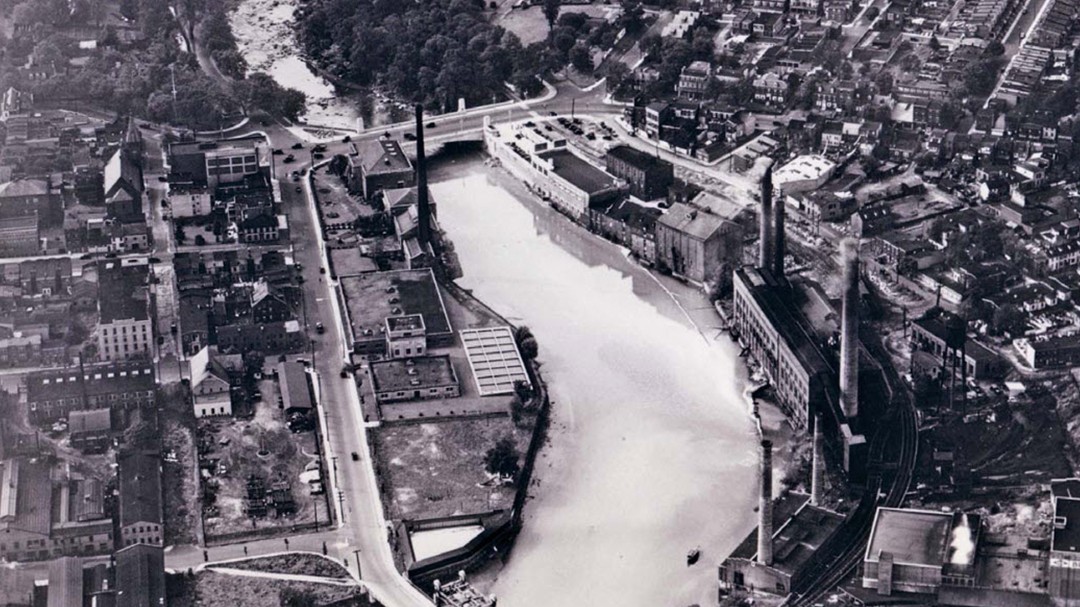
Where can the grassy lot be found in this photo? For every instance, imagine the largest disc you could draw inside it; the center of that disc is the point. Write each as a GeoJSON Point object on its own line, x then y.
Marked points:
{"type": "Point", "coordinates": [529, 24]}
{"type": "Point", "coordinates": [295, 564]}
{"type": "Point", "coordinates": [432, 470]}
{"type": "Point", "coordinates": [262, 446]}
{"type": "Point", "coordinates": [213, 589]}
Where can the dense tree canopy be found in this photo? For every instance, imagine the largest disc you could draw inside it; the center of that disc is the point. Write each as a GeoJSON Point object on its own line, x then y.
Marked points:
{"type": "Point", "coordinates": [432, 52]}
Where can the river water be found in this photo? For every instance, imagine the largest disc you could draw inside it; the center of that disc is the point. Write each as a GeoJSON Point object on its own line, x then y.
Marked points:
{"type": "Point", "coordinates": [265, 36]}
{"type": "Point", "coordinates": [652, 451]}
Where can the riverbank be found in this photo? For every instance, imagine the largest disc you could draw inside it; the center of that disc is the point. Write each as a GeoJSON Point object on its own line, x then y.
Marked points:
{"type": "Point", "coordinates": [651, 449]}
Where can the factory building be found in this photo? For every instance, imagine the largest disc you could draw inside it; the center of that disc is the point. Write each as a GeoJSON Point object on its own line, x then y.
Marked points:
{"type": "Point", "coordinates": [769, 322]}
{"type": "Point", "coordinates": [778, 555]}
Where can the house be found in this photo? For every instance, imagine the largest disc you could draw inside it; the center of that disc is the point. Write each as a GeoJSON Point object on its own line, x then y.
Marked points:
{"type": "Point", "coordinates": [270, 338]}
{"type": "Point", "coordinates": [694, 80]}
{"type": "Point", "coordinates": [123, 387]}
{"type": "Point", "coordinates": [648, 176]}
{"type": "Point", "coordinates": [140, 498]}
{"type": "Point", "coordinates": [125, 329]}
{"type": "Point", "coordinates": [657, 114]}
{"type": "Point", "coordinates": [695, 244]}
{"type": "Point", "coordinates": [771, 90]}
{"type": "Point", "coordinates": [872, 220]}
{"type": "Point", "coordinates": [27, 197]}
{"type": "Point", "coordinates": [211, 387]}
{"type": "Point", "coordinates": [189, 199]}
{"type": "Point", "coordinates": [629, 224]}
{"type": "Point", "coordinates": [264, 228]}
{"type": "Point", "coordinates": [378, 165]}
{"type": "Point", "coordinates": [91, 430]}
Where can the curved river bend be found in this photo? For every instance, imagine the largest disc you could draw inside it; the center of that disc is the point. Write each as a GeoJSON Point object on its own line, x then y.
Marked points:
{"type": "Point", "coordinates": [651, 449]}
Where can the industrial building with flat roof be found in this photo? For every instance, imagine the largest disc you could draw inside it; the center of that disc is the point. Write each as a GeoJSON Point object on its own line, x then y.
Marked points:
{"type": "Point", "coordinates": [373, 297]}
{"type": "Point", "coordinates": [414, 379]}
{"type": "Point", "coordinates": [494, 359]}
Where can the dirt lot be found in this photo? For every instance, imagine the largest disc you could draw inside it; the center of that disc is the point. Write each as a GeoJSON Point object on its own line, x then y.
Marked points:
{"type": "Point", "coordinates": [213, 589]}
{"type": "Point", "coordinates": [294, 564]}
{"type": "Point", "coordinates": [180, 490]}
{"type": "Point", "coordinates": [432, 470]}
{"type": "Point", "coordinates": [261, 446]}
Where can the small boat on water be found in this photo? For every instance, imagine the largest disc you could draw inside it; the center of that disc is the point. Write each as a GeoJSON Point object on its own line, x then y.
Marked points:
{"type": "Point", "coordinates": [693, 556]}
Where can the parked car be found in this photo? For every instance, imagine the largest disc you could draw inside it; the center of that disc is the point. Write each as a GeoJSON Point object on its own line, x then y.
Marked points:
{"type": "Point", "coordinates": [318, 156]}
{"type": "Point", "coordinates": [297, 146]}
{"type": "Point", "coordinates": [430, 125]}
{"type": "Point", "coordinates": [319, 148]}
{"type": "Point", "coordinates": [289, 159]}
{"type": "Point", "coordinates": [320, 328]}
{"type": "Point", "coordinates": [355, 456]}
{"type": "Point", "coordinates": [346, 139]}
{"type": "Point", "coordinates": [410, 136]}
{"type": "Point", "coordinates": [278, 151]}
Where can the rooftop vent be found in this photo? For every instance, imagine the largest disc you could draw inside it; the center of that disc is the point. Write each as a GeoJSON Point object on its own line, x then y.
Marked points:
{"type": "Point", "coordinates": [1060, 522]}
{"type": "Point", "coordinates": [414, 382]}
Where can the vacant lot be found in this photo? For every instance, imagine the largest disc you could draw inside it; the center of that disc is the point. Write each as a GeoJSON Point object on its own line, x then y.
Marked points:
{"type": "Point", "coordinates": [294, 564]}
{"type": "Point", "coordinates": [214, 589]}
{"type": "Point", "coordinates": [178, 480]}
{"type": "Point", "coordinates": [235, 450]}
{"type": "Point", "coordinates": [432, 470]}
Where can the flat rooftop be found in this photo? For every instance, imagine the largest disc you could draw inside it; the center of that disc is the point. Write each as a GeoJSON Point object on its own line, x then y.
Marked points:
{"type": "Point", "coordinates": [412, 374]}
{"type": "Point", "coordinates": [494, 359]}
{"type": "Point", "coordinates": [1066, 535]}
{"type": "Point", "coordinates": [913, 537]}
{"type": "Point", "coordinates": [373, 297]}
{"type": "Point", "coordinates": [583, 175]}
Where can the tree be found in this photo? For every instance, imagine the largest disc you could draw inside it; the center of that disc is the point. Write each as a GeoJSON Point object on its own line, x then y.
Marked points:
{"type": "Point", "coordinates": [581, 58]}
{"type": "Point", "coordinates": [129, 9]}
{"type": "Point", "coordinates": [551, 12]}
{"type": "Point", "coordinates": [523, 390]}
{"type": "Point", "coordinates": [529, 348]}
{"type": "Point", "coordinates": [616, 73]}
{"type": "Point", "coordinates": [200, 240]}
{"type": "Point", "coordinates": [294, 597]}
{"type": "Point", "coordinates": [1008, 320]}
{"type": "Point", "coordinates": [935, 44]}
{"type": "Point", "coordinates": [502, 459]}
{"type": "Point", "coordinates": [632, 17]}
{"type": "Point", "coordinates": [995, 49]}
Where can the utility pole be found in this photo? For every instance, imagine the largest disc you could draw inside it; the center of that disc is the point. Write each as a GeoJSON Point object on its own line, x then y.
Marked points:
{"type": "Point", "coordinates": [573, 104]}
{"type": "Point", "coordinates": [356, 553]}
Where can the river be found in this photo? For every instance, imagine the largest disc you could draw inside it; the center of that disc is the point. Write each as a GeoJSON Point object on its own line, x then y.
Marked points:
{"type": "Point", "coordinates": [652, 451]}
{"type": "Point", "coordinates": [265, 36]}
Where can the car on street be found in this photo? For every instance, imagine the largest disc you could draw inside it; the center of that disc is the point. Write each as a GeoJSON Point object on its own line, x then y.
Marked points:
{"type": "Point", "coordinates": [346, 139]}
{"type": "Point", "coordinates": [289, 158]}
{"type": "Point", "coordinates": [278, 151]}
{"type": "Point", "coordinates": [299, 189]}
{"type": "Point", "coordinates": [430, 125]}
{"type": "Point", "coordinates": [297, 146]}
{"type": "Point", "coordinates": [553, 113]}
{"type": "Point", "coordinates": [333, 215]}
{"type": "Point", "coordinates": [410, 136]}
{"type": "Point", "coordinates": [355, 456]}
{"type": "Point", "coordinates": [320, 328]}
{"type": "Point", "coordinates": [319, 148]}
{"type": "Point", "coordinates": [318, 156]}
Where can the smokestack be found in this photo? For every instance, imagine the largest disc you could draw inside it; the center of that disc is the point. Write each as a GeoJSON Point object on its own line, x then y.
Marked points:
{"type": "Point", "coordinates": [849, 331]}
{"type": "Point", "coordinates": [778, 235]}
{"type": "Point", "coordinates": [765, 507]}
{"type": "Point", "coordinates": [817, 465]}
{"type": "Point", "coordinates": [765, 226]}
{"type": "Point", "coordinates": [423, 206]}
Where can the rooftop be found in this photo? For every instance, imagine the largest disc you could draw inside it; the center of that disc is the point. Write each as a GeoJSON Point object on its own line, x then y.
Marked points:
{"type": "Point", "coordinates": [92, 421]}
{"type": "Point", "coordinates": [1066, 534]}
{"type": "Point", "coordinates": [380, 156]}
{"type": "Point", "coordinates": [687, 220]}
{"type": "Point", "coordinates": [123, 289]}
{"type": "Point", "coordinates": [25, 496]}
{"type": "Point", "coordinates": [494, 359]}
{"type": "Point", "coordinates": [638, 158]}
{"type": "Point", "coordinates": [90, 381]}
{"type": "Point", "coordinates": [295, 392]}
{"type": "Point", "coordinates": [412, 374]}
{"type": "Point", "coordinates": [372, 297]}
{"type": "Point", "coordinates": [140, 488]}
{"type": "Point", "coordinates": [913, 537]}
{"type": "Point", "coordinates": [24, 187]}
{"type": "Point", "coordinates": [140, 576]}
{"type": "Point", "coordinates": [581, 174]}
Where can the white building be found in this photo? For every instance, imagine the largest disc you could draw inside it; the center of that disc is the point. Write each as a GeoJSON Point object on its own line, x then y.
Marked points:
{"type": "Point", "coordinates": [807, 172]}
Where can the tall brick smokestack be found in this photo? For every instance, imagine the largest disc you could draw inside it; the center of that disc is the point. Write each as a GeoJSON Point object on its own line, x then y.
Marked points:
{"type": "Point", "coordinates": [778, 234]}
{"type": "Point", "coordinates": [817, 465]}
{"type": "Point", "coordinates": [849, 330]}
{"type": "Point", "coordinates": [766, 241]}
{"type": "Point", "coordinates": [423, 205]}
{"type": "Point", "coordinates": [765, 507]}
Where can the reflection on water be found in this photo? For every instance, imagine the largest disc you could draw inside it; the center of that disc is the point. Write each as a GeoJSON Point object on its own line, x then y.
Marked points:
{"type": "Point", "coordinates": [651, 451]}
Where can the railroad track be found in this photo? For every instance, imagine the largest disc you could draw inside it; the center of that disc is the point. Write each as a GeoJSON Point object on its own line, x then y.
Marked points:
{"type": "Point", "coordinates": [831, 574]}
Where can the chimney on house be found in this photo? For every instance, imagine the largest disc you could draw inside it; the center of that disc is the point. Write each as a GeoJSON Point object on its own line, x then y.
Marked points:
{"type": "Point", "coordinates": [765, 507]}
{"type": "Point", "coordinates": [849, 330]}
{"type": "Point", "coordinates": [779, 246]}
{"type": "Point", "coordinates": [423, 205]}
{"type": "Point", "coordinates": [765, 222]}
{"type": "Point", "coordinates": [817, 465]}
